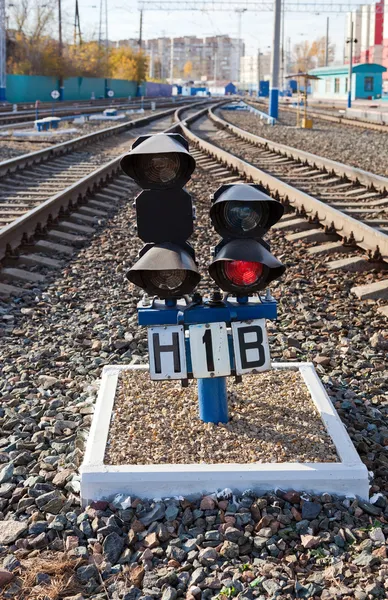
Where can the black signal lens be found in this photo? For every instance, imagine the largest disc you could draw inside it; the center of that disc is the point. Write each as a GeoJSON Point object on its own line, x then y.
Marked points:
{"type": "Point", "coordinates": [162, 169]}
{"type": "Point", "coordinates": [243, 218]}
{"type": "Point", "coordinates": [165, 270]}
{"type": "Point", "coordinates": [169, 279]}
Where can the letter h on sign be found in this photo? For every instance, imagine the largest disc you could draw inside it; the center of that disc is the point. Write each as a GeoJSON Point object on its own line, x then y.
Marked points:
{"type": "Point", "coordinates": [167, 352]}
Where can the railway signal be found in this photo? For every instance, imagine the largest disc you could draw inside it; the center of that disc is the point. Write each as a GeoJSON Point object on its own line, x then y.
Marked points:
{"type": "Point", "coordinates": [161, 165]}
{"type": "Point", "coordinates": [204, 338]}
{"type": "Point", "coordinates": [243, 263]}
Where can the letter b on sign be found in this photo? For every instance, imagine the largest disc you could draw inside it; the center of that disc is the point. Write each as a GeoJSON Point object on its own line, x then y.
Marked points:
{"type": "Point", "coordinates": [250, 343]}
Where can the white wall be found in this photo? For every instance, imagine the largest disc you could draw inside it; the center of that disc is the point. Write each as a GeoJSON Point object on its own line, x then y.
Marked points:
{"type": "Point", "coordinates": [365, 28]}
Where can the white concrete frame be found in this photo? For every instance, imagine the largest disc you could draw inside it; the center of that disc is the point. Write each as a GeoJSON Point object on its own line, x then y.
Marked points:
{"type": "Point", "coordinates": [348, 477]}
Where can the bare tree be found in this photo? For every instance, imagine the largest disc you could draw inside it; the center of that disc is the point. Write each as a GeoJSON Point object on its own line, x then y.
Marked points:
{"type": "Point", "coordinates": [33, 18]}
{"type": "Point", "coordinates": [36, 50]}
{"type": "Point", "coordinates": [308, 55]}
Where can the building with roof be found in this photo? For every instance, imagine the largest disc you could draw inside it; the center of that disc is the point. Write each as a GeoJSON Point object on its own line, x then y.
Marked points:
{"type": "Point", "coordinates": [367, 82]}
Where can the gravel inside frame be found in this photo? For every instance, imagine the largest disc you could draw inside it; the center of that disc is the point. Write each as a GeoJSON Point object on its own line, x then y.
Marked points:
{"type": "Point", "coordinates": [272, 419]}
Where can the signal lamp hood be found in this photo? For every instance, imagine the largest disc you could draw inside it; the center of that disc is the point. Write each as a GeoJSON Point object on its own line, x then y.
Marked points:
{"type": "Point", "coordinates": [161, 266]}
{"type": "Point", "coordinates": [159, 161]}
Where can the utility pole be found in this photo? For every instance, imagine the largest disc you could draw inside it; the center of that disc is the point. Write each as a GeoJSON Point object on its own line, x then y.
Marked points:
{"type": "Point", "coordinates": [152, 63]}
{"type": "Point", "coordinates": [215, 64]}
{"type": "Point", "coordinates": [258, 71]}
{"type": "Point", "coordinates": [171, 60]}
{"type": "Point", "coordinates": [282, 57]}
{"type": "Point", "coordinates": [100, 28]}
{"type": "Point", "coordinates": [3, 55]}
{"type": "Point", "coordinates": [350, 41]}
{"type": "Point", "coordinates": [240, 12]}
{"type": "Point", "coordinates": [106, 25]}
{"type": "Point", "coordinates": [274, 91]}
{"type": "Point", "coordinates": [77, 25]}
{"type": "Point", "coordinates": [60, 50]}
{"type": "Point", "coordinates": [327, 43]}
{"type": "Point", "coordinates": [141, 30]}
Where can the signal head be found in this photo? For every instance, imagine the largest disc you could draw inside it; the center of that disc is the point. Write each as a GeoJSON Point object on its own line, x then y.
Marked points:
{"type": "Point", "coordinates": [244, 211]}
{"type": "Point", "coordinates": [245, 266]}
{"type": "Point", "coordinates": [159, 161]}
{"type": "Point", "coordinates": [165, 270]}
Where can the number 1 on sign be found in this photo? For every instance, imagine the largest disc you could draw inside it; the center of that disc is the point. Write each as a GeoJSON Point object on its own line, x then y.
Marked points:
{"type": "Point", "coordinates": [207, 340]}
{"type": "Point", "coordinates": [209, 350]}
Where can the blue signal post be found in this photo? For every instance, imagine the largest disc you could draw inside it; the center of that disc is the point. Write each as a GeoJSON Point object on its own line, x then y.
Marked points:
{"type": "Point", "coordinates": [213, 400]}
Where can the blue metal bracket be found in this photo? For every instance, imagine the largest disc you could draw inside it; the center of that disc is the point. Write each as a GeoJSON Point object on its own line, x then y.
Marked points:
{"type": "Point", "coordinates": [190, 314]}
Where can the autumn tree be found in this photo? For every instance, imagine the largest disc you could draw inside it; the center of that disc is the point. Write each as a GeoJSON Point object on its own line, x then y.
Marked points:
{"type": "Point", "coordinates": [188, 69]}
{"type": "Point", "coordinates": [87, 60]}
{"type": "Point", "coordinates": [157, 68]}
{"type": "Point", "coordinates": [319, 51]}
{"type": "Point", "coordinates": [124, 63]}
{"type": "Point", "coordinates": [308, 55]}
{"type": "Point", "coordinates": [35, 52]}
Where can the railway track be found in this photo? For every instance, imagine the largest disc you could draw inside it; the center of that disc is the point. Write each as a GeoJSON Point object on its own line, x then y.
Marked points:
{"type": "Point", "coordinates": [30, 179]}
{"type": "Point", "coordinates": [51, 200]}
{"type": "Point", "coordinates": [337, 206]}
{"type": "Point", "coordinates": [328, 116]}
{"type": "Point", "coordinates": [54, 345]}
{"type": "Point", "coordinates": [341, 208]}
{"type": "Point", "coordinates": [25, 118]}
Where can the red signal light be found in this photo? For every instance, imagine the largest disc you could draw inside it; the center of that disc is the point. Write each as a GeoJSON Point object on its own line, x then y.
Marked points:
{"type": "Point", "coordinates": [243, 272]}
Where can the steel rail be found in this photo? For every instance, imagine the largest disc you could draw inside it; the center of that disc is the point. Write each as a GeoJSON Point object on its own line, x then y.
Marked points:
{"type": "Point", "coordinates": [341, 120]}
{"type": "Point", "coordinates": [13, 164]}
{"type": "Point", "coordinates": [23, 229]}
{"type": "Point", "coordinates": [367, 238]}
{"type": "Point", "coordinates": [353, 122]}
{"type": "Point", "coordinates": [65, 104]}
{"type": "Point", "coordinates": [19, 119]}
{"type": "Point", "coordinates": [355, 174]}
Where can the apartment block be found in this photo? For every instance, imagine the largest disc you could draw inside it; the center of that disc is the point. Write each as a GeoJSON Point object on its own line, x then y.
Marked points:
{"type": "Point", "coordinates": [191, 57]}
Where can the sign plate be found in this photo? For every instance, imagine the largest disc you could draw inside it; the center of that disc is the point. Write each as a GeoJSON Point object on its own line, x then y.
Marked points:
{"type": "Point", "coordinates": [166, 347]}
{"type": "Point", "coordinates": [250, 343]}
{"type": "Point", "coordinates": [55, 94]}
{"type": "Point", "coordinates": [209, 350]}
{"type": "Point", "coordinates": [110, 93]}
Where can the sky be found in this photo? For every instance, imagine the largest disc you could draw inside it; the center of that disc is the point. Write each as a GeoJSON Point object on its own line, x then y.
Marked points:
{"type": "Point", "coordinates": [123, 22]}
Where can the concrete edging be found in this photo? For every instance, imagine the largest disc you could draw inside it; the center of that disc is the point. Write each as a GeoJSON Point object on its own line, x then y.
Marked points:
{"type": "Point", "coordinates": [349, 477]}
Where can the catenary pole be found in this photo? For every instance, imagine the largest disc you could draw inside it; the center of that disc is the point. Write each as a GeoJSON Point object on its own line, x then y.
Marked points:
{"type": "Point", "coordinates": [274, 89]}
{"type": "Point", "coordinates": [3, 56]}
{"type": "Point", "coordinates": [60, 50]}
{"type": "Point", "coordinates": [171, 59]}
{"type": "Point", "coordinates": [350, 66]}
{"type": "Point", "coordinates": [141, 31]}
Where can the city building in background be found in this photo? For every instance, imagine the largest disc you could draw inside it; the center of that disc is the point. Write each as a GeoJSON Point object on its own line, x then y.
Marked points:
{"type": "Point", "coordinates": [190, 57]}
{"type": "Point", "coordinates": [356, 17]}
{"type": "Point", "coordinates": [132, 43]}
{"type": "Point", "coordinates": [253, 69]}
{"type": "Point", "coordinates": [370, 29]}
